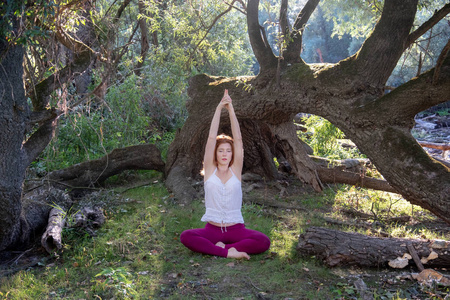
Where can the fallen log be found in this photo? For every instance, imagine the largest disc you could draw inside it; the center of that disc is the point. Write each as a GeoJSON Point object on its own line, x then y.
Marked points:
{"type": "Point", "coordinates": [93, 172]}
{"type": "Point", "coordinates": [439, 146]}
{"type": "Point", "coordinates": [337, 248]}
{"type": "Point", "coordinates": [335, 175]}
{"type": "Point", "coordinates": [51, 240]}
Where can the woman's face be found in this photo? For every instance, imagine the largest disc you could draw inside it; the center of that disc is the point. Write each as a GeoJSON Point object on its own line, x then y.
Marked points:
{"type": "Point", "coordinates": [224, 154]}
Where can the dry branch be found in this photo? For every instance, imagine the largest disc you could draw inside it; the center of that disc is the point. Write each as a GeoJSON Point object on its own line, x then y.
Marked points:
{"type": "Point", "coordinates": [439, 146]}
{"type": "Point", "coordinates": [51, 239]}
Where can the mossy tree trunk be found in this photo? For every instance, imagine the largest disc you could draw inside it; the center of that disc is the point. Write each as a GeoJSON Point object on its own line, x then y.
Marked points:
{"type": "Point", "coordinates": [350, 94]}
{"type": "Point", "coordinates": [26, 133]}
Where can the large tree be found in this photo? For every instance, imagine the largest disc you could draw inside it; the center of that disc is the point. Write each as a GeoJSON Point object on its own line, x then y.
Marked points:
{"type": "Point", "coordinates": [350, 94]}
{"type": "Point", "coordinates": [54, 42]}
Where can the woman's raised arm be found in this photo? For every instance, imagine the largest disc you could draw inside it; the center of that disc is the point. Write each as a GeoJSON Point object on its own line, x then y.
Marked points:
{"type": "Point", "coordinates": [208, 159]}
{"type": "Point", "coordinates": [237, 138]}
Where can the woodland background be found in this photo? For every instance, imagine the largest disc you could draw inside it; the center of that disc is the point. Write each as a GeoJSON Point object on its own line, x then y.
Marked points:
{"type": "Point", "coordinates": [104, 75]}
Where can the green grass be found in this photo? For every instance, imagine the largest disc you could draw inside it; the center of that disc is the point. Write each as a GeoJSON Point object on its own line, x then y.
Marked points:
{"type": "Point", "coordinates": [136, 254]}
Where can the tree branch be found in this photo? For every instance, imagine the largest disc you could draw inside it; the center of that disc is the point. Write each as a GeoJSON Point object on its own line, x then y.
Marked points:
{"type": "Point", "coordinates": [145, 46]}
{"type": "Point", "coordinates": [438, 16]}
{"type": "Point", "coordinates": [39, 141]}
{"type": "Point", "coordinates": [262, 51]}
{"type": "Point", "coordinates": [284, 22]}
{"type": "Point", "coordinates": [43, 89]}
{"type": "Point", "coordinates": [294, 45]}
{"type": "Point", "coordinates": [389, 36]}
{"type": "Point", "coordinates": [440, 62]}
{"type": "Point", "coordinates": [404, 109]}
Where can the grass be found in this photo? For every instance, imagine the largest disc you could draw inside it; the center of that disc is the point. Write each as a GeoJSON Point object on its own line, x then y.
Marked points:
{"type": "Point", "coordinates": [136, 254]}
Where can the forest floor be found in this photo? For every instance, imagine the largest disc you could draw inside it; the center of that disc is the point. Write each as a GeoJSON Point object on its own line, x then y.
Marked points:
{"type": "Point", "coordinates": [136, 254]}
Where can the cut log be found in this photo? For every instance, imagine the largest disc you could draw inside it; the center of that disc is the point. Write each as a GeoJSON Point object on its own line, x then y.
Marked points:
{"type": "Point", "coordinates": [337, 248]}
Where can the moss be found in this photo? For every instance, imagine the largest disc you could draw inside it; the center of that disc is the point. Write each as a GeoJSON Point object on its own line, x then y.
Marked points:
{"type": "Point", "coordinates": [299, 72]}
{"type": "Point", "coordinates": [415, 160]}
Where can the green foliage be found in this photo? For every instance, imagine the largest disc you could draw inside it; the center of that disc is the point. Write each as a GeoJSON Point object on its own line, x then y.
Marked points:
{"type": "Point", "coordinates": [193, 40]}
{"type": "Point", "coordinates": [119, 279]}
{"type": "Point", "coordinates": [92, 132]}
{"type": "Point", "coordinates": [12, 30]}
{"type": "Point", "coordinates": [323, 137]}
{"type": "Point", "coordinates": [353, 17]}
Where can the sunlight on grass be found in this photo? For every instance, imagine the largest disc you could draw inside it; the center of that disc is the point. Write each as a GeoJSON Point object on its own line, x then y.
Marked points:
{"type": "Point", "coordinates": [386, 210]}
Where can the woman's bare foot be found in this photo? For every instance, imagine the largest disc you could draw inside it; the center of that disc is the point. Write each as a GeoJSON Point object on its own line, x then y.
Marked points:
{"type": "Point", "coordinates": [233, 253]}
{"type": "Point", "coordinates": [220, 244]}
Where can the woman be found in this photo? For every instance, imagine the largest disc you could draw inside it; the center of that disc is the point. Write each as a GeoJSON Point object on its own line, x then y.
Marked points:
{"type": "Point", "coordinates": [224, 233]}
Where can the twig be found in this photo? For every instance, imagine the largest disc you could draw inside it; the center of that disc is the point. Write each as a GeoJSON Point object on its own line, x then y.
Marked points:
{"type": "Point", "coordinates": [136, 186]}
{"type": "Point", "coordinates": [415, 257]}
{"type": "Point", "coordinates": [253, 284]}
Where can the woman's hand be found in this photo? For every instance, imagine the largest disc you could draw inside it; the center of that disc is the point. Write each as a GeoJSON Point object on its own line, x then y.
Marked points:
{"type": "Point", "coordinates": [226, 101]}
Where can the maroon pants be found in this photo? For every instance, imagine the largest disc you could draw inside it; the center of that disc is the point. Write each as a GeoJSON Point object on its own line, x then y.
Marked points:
{"type": "Point", "coordinates": [204, 240]}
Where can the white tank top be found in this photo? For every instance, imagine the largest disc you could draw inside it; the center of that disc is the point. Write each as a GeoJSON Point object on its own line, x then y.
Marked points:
{"type": "Point", "coordinates": [223, 201]}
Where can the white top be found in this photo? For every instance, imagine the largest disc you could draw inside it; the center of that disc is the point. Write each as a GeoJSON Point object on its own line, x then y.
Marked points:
{"type": "Point", "coordinates": [223, 201]}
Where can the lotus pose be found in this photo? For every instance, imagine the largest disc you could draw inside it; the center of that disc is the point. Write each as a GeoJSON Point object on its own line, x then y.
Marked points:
{"type": "Point", "coordinates": [224, 234]}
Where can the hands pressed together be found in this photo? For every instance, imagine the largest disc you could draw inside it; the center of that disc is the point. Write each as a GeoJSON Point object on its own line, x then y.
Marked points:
{"type": "Point", "coordinates": [226, 101]}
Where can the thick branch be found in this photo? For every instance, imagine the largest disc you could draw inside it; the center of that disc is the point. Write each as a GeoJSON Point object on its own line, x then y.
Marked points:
{"type": "Point", "coordinates": [294, 46]}
{"type": "Point", "coordinates": [43, 116]}
{"type": "Point", "coordinates": [383, 48]}
{"type": "Point", "coordinates": [43, 89]}
{"type": "Point", "coordinates": [39, 141]}
{"type": "Point", "coordinates": [438, 16]}
{"type": "Point", "coordinates": [140, 157]}
{"type": "Point", "coordinates": [334, 175]}
{"type": "Point", "coordinates": [420, 89]}
{"type": "Point", "coordinates": [262, 51]}
{"type": "Point", "coordinates": [440, 63]}
{"type": "Point", "coordinates": [284, 21]}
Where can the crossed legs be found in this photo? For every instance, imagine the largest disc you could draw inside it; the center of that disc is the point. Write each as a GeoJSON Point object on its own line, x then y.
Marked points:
{"type": "Point", "coordinates": [234, 242]}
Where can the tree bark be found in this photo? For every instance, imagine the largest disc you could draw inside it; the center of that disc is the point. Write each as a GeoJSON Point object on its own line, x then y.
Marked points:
{"type": "Point", "coordinates": [14, 110]}
{"type": "Point", "coordinates": [94, 172]}
{"type": "Point", "coordinates": [337, 248]}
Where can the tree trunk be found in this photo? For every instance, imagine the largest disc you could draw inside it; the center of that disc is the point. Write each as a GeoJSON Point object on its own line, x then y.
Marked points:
{"type": "Point", "coordinates": [261, 140]}
{"type": "Point", "coordinates": [337, 248]}
{"type": "Point", "coordinates": [14, 110]}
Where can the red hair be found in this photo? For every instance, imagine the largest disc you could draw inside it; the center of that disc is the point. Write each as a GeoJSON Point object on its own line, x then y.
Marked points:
{"type": "Point", "coordinates": [222, 139]}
